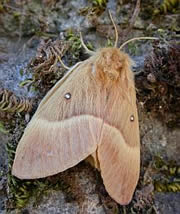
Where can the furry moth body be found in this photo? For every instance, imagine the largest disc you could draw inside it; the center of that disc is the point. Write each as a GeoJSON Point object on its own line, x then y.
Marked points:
{"type": "Point", "coordinates": [91, 111]}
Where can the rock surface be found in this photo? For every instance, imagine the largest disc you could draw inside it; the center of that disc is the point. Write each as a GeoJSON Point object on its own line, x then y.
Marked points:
{"type": "Point", "coordinates": [86, 193]}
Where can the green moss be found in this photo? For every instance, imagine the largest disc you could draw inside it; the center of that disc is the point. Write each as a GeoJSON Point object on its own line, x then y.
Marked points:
{"type": "Point", "coordinates": [3, 5]}
{"type": "Point", "coordinates": [1, 8]}
{"type": "Point", "coordinates": [109, 43]}
{"type": "Point", "coordinates": [167, 6]}
{"type": "Point", "coordinates": [30, 26]}
{"type": "Point", "coordinates": [99, 3]}
{"type": "Point", "coordinates": [17, 16]}
{"type": "Point", "coordinates": [167, 176]}
{"type": "Point", "coordinates": [21, 191]}
{"type": "Point", "coordinates": [75, 42]}
{"type": "Point", "coordinates": [2, 128]}
{"type": "Point", "coordinates": [76, 51]}
{"type": "Point", "coordinates": [133, 48]}
{"type": "Point", "coordinates": [96, 8]}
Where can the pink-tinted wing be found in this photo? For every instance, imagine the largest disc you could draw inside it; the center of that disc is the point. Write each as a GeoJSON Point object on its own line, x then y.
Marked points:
{"type": "Point", "coordinates": [63, 131]}
{"type": "Point", "coordinates": [48, 148]}
{"type": "Point", "coordinates": [119, 150]}
{"type": "Point", "coordinates": [119, 165]}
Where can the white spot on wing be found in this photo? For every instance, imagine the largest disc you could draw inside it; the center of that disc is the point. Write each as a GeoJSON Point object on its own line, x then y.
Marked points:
{"type": "Point", "coordinates": [93, 69]}
{"type": "Point", "coordinates": [50, 154]}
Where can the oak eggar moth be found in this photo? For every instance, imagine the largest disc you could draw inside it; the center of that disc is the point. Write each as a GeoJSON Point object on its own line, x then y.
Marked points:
{"type": "Point", "coordinates": [91, 111]}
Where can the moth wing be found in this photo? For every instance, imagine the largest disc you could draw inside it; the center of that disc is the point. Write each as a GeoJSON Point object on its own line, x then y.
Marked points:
{"type": "Point", "coordinates": [119, 165]}
{"type": "Point", "coordinates": [119, 152]}
{"type": "Point", "coordinates": [48, 148]}
{"type": "Point", "coordinates": [62, 132]}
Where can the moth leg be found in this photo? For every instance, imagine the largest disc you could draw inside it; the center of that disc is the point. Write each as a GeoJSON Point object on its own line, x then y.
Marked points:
{"type": "Point", "coordinates": [93, 160]}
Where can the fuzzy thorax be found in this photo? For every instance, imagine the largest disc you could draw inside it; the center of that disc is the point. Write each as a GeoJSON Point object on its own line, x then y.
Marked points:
{"type": "Point", "coordinates": [112, 65]}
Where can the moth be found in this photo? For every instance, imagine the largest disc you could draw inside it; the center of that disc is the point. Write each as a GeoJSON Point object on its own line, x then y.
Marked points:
{"type": "Point", "coordinates": [92, 112]}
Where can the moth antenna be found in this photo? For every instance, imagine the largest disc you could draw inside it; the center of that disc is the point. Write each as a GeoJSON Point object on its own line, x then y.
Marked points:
{"type": "Point", "coordinates": [85, 47]}
{"type": "Point", "coordinates": [60, 60]}
{"type": "Point", "coordinates": [137, 38]}
{"type": "Point", "coordinates": [115, 28]}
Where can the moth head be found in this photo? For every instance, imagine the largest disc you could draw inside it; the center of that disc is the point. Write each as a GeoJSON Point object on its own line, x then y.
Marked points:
{"type": "Point", "coordinates": [111, 65]}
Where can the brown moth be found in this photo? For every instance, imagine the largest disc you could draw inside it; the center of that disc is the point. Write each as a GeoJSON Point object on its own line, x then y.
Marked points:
{"type": "Point", "coordinates": [91, 111]}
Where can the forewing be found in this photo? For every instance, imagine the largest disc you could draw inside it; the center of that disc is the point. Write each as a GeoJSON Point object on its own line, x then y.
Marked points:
{"type": "Point", "coordinates": [63, 131]}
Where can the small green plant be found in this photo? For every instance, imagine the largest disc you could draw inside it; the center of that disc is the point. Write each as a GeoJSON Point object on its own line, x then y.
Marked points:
{"type": "Point", "coordinates": [3, 5]}
{"type": "Point", "coordinates": [99, 3]}
{"type": "Point", "coordinates": [75, 42]}
{"type": "Point", "coordinates": [96, 8]}
{"type": "Point", "coordinates": [21, 191]}
{"type": "Point", "coordinates": [109, 43]}
{"type": "Point", "coordinates": [2, 128]}
{"type": "Point", "coordinates": [168, 176]}
{"type": "Point", "coordinates": [167, 6]}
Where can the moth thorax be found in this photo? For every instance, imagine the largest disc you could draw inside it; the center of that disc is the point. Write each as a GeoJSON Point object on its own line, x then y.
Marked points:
{"type": "Point", "coordinates": [111, 74]}
{"type": "Point", "coordinates": [111, 66]}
